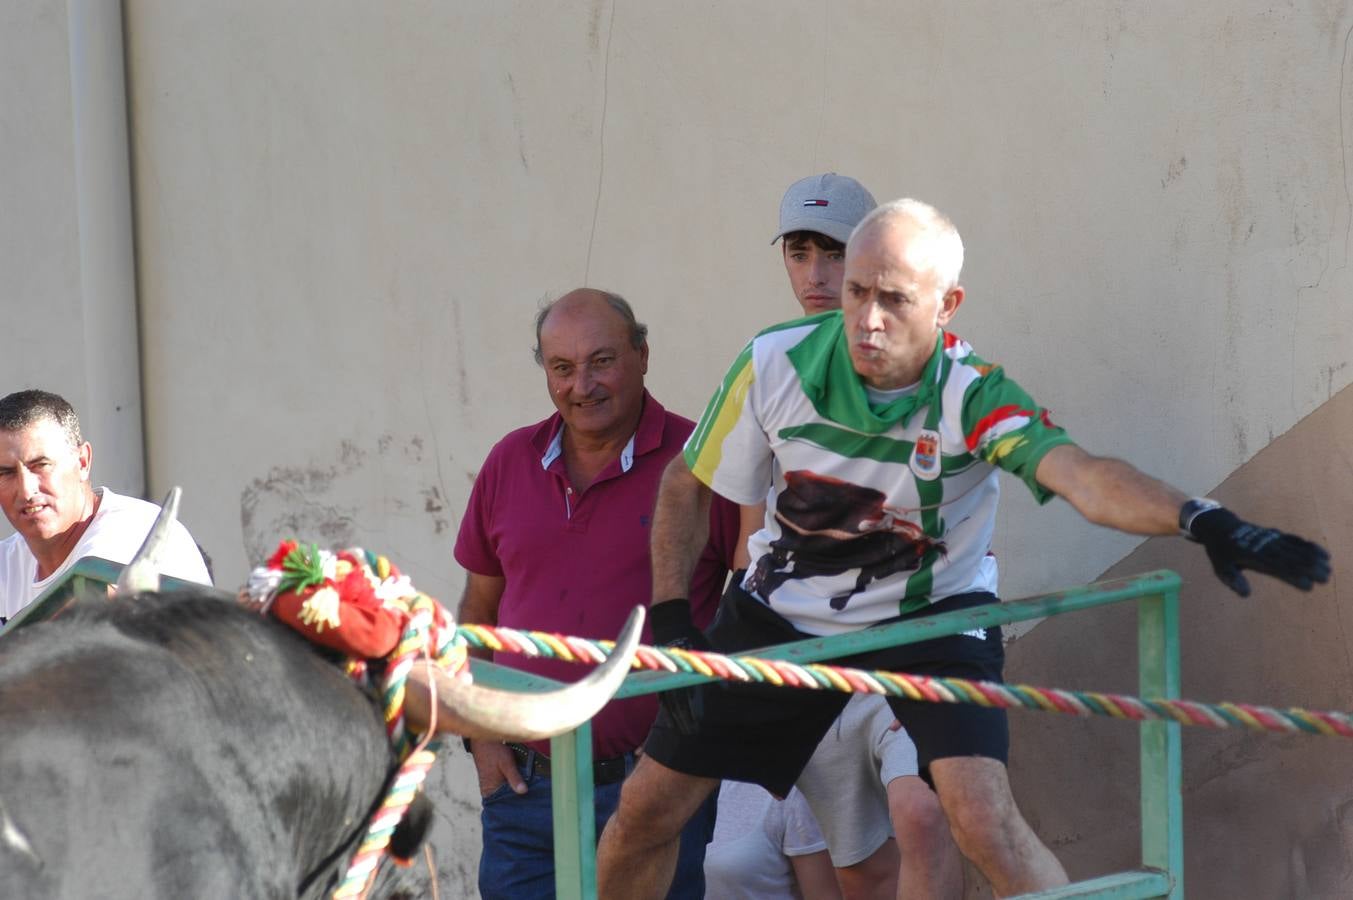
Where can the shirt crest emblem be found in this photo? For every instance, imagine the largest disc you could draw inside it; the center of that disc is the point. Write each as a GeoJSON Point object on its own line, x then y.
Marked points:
{"type": "Point", "coordinates": [925, 455]}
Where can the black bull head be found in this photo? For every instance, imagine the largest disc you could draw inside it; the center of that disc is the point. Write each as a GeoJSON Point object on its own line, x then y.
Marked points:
{"type": "Point", "coordinates": [180, 745]}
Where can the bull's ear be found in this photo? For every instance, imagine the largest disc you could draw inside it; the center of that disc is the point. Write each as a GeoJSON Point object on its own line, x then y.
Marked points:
{"type": "Point", "coordinates": [143, 572]}
{"type": "Point", "coordinates": [411, 832]}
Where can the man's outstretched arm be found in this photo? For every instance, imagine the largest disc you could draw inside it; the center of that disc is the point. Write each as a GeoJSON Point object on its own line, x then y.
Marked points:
{"type": "Point", "coordinates": [1110, 492]}
{"type": "Point", "coordinates": [1114, 494]}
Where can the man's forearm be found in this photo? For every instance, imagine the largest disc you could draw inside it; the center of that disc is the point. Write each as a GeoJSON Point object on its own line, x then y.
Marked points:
{"type": "Point", "coordinates": [680, 530]}
{"type": "Point", "coordinates": [1111, 492]}
{"type": "Point", "coordinates": [1132, 501]}
{"type": "Point", "coordinates": [479, 605]}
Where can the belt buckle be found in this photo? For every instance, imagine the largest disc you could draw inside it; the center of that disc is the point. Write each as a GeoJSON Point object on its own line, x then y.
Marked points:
{"type": "Point", "coordinates": [608, 771]}
{"type": "Point", "coordinates": [537, 763]}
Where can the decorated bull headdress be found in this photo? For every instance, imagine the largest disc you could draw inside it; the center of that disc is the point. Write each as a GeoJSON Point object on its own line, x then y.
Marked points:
{"type": "Point", "coordinates": [360, 604]}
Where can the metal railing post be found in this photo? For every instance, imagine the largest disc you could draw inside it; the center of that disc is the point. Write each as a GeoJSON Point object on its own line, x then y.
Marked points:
{"type": "Point", "coordinates": [1162, 789]}
{"type": "Point", "coordinates": [575, 823]}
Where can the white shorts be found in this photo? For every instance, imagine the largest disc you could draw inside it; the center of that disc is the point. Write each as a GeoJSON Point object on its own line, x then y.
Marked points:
{"type": "Point", "coordinates": [846, 781]}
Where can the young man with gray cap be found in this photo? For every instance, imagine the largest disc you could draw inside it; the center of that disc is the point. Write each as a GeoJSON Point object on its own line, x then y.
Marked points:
{"type": "Point", "coordinates": [864, 773]}
{"type": "Point", "coordinates": [817, 215]}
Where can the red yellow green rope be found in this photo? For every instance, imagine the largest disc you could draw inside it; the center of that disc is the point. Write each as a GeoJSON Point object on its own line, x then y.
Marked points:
{"type": "Point", "coordinates": [426, 635]}
{"type": "Point", "coordinates": [819, 676]}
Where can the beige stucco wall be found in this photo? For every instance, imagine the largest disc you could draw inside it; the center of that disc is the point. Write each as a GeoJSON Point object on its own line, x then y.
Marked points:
{"type": "Point", "coordinates": [347, 212]}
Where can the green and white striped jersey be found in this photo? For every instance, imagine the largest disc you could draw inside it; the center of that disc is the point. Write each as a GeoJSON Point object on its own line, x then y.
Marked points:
{"type": "Point", "coordinates": [871, 510]}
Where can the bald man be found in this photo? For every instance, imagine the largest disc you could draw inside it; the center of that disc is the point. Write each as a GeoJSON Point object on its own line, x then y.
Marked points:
{"type": "Point", "coordinates": [556, 538]}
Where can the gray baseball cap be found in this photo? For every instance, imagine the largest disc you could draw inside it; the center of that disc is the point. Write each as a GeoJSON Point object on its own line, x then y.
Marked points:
{"type": "Point", "coordinates": [829, 204]}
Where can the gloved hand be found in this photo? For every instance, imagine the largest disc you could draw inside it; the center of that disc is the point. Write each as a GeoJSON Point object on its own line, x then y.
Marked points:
{"type": "Point", "coordinates": [1233, 544]}
{"type": "Point", "coordinates": [672, 627]}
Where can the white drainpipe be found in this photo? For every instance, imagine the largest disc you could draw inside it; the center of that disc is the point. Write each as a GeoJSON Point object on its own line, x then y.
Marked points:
{"type": "Point", "coordinates": [112, 412]}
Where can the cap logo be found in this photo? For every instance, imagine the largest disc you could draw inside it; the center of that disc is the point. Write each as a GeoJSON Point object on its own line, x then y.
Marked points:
{"type": "Point", "coordinates": [815, 203]}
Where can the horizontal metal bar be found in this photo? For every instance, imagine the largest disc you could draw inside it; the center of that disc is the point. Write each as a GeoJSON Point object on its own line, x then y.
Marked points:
{"type": "Point", "coordinates": [493, 675]}
{"type": "Point", "coordinates": [869, 639]}
{"type": "Point", "coordinates": [925, 628]}
{"type": "Point", "coordinates": [88, 569]}
{"type": "Point", "coordinates": [805, 651]}
{"type": "Point", "coordinates": [1139, 885]}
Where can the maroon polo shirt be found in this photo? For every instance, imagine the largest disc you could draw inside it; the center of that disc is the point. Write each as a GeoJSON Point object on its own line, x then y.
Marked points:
{"type": "Point", "coordinates": [577, 562]}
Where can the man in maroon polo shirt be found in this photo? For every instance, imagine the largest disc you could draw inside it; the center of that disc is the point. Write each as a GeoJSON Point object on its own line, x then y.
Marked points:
{"type": "Point", "coordinates": [556, 538]}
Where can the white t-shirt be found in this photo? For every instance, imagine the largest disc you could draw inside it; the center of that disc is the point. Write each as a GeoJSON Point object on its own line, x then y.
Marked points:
{"type": "Point", "coordinates": [116, 533]}
{"type": "Point", "coordinates": [846, 781]}
{"type": "Point", "coordinates": [754, 836]}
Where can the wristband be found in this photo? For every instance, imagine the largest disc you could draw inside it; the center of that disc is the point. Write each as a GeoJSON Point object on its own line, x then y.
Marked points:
{"type": "Point", "coordinates": [1191, 510]}
{"type": "Point", "coordinates": [670, 619]}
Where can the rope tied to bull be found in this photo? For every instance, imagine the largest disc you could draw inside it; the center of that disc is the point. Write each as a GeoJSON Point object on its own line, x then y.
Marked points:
{"type": "Point", "coordinates": [821, 676]}
{"type": "Point", "coordinates": [358, 603]}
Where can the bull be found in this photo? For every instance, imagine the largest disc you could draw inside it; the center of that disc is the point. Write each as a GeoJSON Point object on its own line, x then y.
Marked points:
{"type": "Point", "coordinates": [180, 745]}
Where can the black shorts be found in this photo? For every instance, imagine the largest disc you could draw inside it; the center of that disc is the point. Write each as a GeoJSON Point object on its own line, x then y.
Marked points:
{"type": "Point", "coordinates": [765, 735]}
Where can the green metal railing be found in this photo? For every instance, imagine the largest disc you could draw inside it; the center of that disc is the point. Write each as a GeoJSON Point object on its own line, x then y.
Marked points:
{"type": "Point", "coordinates": [1157, 597]}
{"type": "Point", "coordinates": [91, 575]}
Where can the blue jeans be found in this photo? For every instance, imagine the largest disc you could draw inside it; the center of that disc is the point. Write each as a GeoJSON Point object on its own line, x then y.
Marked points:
{"type": "Point", "coordinates": [518, 858]}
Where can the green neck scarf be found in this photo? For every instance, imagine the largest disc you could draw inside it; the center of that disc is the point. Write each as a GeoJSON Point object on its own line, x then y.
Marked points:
{"type": "Point", "coordinates": [837, 392]}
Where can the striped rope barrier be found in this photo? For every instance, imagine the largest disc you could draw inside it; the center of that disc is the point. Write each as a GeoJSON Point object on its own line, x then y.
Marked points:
{"type": "Point", "coordinates": [819, 676]}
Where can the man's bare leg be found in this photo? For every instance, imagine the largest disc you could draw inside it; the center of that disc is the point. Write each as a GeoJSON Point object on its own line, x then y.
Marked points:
{"type": "Point", "coordinates": [872, 878]}
{"type": "Point", "coordinates": [931, 868]}
{"type": "Point", "coordinates": [637, 854]}
{"type": "Point", "coordinates": [975, 794]}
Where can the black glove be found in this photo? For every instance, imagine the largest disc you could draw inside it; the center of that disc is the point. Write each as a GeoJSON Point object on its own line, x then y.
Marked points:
{"type": "Point", "coordinates": [672, 627]}
{"type": "Point", "coordinates": [1233, 544]}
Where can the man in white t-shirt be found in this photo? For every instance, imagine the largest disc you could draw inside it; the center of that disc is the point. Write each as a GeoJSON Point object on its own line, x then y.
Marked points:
{"type": "Point", "coordinates": [58, 516]}
{"type": "Point", "coordinates": [767, 849]}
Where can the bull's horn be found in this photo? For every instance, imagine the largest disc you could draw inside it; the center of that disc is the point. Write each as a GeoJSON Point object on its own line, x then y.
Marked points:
{"type": "Point", "coordinates": [522, 716]}
{"type": "Point", "coordinates": [143, 572]}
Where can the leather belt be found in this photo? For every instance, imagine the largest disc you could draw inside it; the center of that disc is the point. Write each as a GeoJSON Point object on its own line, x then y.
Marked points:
{"type": "Point", "coordinates": [604, 771]}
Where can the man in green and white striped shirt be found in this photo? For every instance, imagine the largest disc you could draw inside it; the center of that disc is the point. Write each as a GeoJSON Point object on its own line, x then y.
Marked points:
{"type": "Point", "coordinates": [878, 436]}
